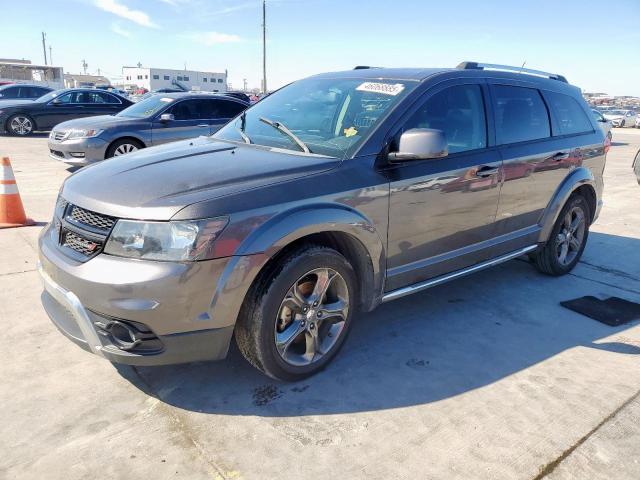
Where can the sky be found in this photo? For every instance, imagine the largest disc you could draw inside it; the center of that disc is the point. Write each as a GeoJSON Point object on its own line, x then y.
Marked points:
{"type": "Point", "coordinates": [594, 43]}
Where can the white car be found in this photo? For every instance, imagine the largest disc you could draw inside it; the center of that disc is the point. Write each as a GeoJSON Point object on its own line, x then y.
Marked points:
{"type": "Point", "coordinates": [603, 122]}
{"type": "Point", "coordinates": [621, 118]}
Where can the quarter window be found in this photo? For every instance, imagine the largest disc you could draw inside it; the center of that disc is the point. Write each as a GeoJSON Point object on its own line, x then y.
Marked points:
{"type": "Point", "coordinates": [570, 116]}
{"type": "Point", "coordinates": [521, 114]}
{"type": "Point", "coordinates": [457, 111]}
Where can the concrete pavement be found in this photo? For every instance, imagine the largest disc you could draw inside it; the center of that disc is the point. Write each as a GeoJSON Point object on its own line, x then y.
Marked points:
{"type": "Point", "coordinates": [485, 378]}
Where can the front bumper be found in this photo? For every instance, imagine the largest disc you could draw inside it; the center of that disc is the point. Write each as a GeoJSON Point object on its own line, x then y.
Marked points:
{"type": "Point", "coordinates": [173, 300]}
{"type": "Point", "coordinates": [69, 151]}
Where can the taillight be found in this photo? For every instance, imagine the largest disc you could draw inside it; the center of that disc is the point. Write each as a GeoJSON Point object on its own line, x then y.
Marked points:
{"type": "Point", "coordinates": [607, 144]}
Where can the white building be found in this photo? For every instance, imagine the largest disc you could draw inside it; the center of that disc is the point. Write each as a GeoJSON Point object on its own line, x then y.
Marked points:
{"type": "Point", "coordinates": [155, 78]}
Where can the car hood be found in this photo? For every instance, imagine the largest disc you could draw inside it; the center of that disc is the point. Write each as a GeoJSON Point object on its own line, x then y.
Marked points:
{"type": "Point", "coordinates": [156, 183]}
{"type": "Point", "coordinates": [613, 117]}
{"type": "Point", "coordinates": [99, 122]}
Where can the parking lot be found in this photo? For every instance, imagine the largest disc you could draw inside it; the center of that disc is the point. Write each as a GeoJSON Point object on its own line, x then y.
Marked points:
{"type": "Point", "coordinates": [487, 377]}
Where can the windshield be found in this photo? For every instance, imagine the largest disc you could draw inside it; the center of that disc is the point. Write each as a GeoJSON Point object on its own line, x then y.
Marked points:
{"type": "Point", "coordinates": [146, 108]}
{"type": "Point", "coordinates": [329, 116]}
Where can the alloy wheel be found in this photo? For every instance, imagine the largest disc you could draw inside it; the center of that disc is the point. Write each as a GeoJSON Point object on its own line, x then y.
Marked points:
{"type": "Point", "coordinates": [21, 125]}
{"type": "Point", "coordinates": [571, 236]}
{"type": "Point", "coordinates": [311, 317]}
{"type": "Point", "coordinates": [124, 149]}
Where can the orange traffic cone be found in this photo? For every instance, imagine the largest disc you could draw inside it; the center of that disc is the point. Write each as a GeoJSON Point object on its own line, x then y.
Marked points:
{"type": "Point", "coordinates": [11, 209]}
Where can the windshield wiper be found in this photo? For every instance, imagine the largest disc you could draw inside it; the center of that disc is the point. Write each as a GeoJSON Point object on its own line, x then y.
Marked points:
{"type": "Point", "coordinates": [279, 126]}
{"type": "Point", "coordinates": [244, 136]}
{"type": "Point", "coordinates": [243, 122]}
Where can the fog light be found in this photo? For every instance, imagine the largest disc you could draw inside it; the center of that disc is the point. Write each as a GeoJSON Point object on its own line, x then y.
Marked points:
{"type": "Point", "coordinates": [77, 154]}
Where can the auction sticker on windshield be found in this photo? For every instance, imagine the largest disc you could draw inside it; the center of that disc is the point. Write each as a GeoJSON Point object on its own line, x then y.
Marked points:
{"type": "Point", "coordinates": [385, 88]}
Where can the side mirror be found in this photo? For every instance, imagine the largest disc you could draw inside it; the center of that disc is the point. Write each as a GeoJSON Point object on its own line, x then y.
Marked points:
{"type": "Point", "coordinates": [603, 120]}
{"type": "Point", "coordinates": [55, 101]}
{"type": "Point", "coordinates": [420, 144]}
{"type": "Point", "coordinates": [167, 117]}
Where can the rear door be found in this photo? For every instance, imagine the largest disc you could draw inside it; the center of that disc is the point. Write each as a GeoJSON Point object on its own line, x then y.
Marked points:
{"type": "Point", "coordinates": [534, 162]}
{"type": "Point", "coordinates": [188, 122]}
{"type": "Point", "coordinates": [442, 211]}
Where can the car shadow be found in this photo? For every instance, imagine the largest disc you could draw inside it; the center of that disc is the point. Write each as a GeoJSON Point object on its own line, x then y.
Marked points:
{"type": "Point", "coordinates": [430, 346]}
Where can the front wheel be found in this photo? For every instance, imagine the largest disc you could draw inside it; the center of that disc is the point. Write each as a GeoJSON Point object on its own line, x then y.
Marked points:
{"type": "Point", "coordinates": [122, 147]}
{"type": "Point", "coordinates": [567, 240]}
{"type": "Point", "coordinates": [296, 317]}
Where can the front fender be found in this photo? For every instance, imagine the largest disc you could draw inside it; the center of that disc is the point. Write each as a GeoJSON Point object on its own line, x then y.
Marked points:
{"type": "Point", "coordinates": [577, 178]}
{"type": "Point", "coordinates": [278, 232]}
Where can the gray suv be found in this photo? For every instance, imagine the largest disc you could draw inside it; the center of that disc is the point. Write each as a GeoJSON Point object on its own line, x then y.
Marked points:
{"type": "Point", "coordinates": [328, 197]}
{"type": "Point", "coordinates": [162, 118]}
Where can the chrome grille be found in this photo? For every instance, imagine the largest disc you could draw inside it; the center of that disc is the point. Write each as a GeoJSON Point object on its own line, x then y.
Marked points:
{"type": "Point", "coordinates": [92, 219]}
{"type": "Point", "coordinates": [61, 204]}
{"type": "Point", "coordinates": [80, 244]}
{"type": "Point", "coordinates": [58, 136]}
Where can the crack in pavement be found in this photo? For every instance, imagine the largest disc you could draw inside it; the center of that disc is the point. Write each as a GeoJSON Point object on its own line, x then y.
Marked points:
{"type": "Point", "coordinates": [551, 466]}
{"type": "Point", "coordinates": [604, 283]}
{"type": "Point", "coordinates": [16, 273]}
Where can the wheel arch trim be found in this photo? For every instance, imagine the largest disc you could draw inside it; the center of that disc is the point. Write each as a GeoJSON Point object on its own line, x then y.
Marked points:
{"type": "Point", "coordinates": [265, 242]}
{"type": "Point", "coordinates": [577, 178]}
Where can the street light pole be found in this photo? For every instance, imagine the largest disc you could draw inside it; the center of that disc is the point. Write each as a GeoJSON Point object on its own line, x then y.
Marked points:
{"type": "Point", "coordinates": [44, 48]}
{"type": "Point", "coordinates": [264, 46]}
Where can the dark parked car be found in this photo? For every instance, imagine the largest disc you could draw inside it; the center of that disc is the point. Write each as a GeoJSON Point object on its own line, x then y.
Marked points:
{"type": "Point", "coordinates": [311, 206]}
{"type": "Point", "coordinates": [156, 120]}
{"type": "Point", "coordinates": [23, 91]}
{"type": "Point", "coordinates": [23, 117]}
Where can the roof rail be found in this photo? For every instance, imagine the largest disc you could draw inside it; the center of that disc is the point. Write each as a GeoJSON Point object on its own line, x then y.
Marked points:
{"type": "Point", "coordinates": [507, 68]}
{"type": "Point", "coordinates": [363, 67]}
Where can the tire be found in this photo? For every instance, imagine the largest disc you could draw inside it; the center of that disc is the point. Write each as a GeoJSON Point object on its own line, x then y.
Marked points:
{"type": "Point", "coordinates": [549, 259]}
{"type": "Point", "coordinates": [609, 135]}
{"type": "Point", "coordinates": [275, 328]}
{"type": "Point", "coordinates": [20, 125]}
{"type": "Point", "coordinates": [122, 147]}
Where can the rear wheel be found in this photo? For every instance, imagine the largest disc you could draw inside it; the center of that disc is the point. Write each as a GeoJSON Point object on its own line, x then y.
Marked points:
{"type": "Point", "coordinates": [568, 239]}
{"type": "Point", "coordinates": [122, 147]}
{"type": "Point", "coordinates": [296, 318]}
{"type": "Point", "coordinates": [20, 125]}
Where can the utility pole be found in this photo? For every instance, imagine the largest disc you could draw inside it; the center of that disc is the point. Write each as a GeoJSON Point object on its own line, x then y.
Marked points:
{"type": "Point", "coordinates": [84, 66]}
{"type": "Point", "coordinates": [50, 56]}
{"type": "Point", "coordinates": [44, 48]}
{"type": "Point", "coordinates": [264, 46]}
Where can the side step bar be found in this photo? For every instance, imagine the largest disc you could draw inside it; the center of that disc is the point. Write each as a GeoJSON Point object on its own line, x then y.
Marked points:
{"type": "Point", "coordinates": [418, 287]}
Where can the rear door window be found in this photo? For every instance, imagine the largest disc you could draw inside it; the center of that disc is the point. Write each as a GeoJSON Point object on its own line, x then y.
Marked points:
{"type": "Point", "coordinates": [568, 113]}
{"type": "Point", "coordinates": [459, 112]}
{"type": "Point", "coordinates": [521, 114]}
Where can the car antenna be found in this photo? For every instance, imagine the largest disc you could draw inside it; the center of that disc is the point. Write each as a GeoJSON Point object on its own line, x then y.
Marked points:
{"type": "Point", "coordinates": [521, 67]}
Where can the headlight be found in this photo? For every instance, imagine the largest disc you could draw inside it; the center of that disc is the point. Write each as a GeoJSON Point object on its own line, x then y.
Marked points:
{"type": "Point", "coordinates": [178, 241]}
{"type": "Point", "coordinates": [82, 133]}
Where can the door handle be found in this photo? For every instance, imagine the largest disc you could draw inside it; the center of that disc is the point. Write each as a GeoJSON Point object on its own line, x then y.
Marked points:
{"type": "Point", "coordinates": [561, 156]}
{"type": "Point", "coordinates": [486, 171]}
{"type": "Point", "coordinates": [202, 125]}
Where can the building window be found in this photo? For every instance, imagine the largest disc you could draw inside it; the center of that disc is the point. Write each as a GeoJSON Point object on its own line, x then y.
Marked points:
{"type": "Point", "coordinates": [139, 77]}
{"type": "Point", "coordinates": [186, 79]}
{"type": "Point", "coordinates": [215, 90]}
{"type": "Point", "coordinates": [204, 79]}
{"type": "Point", "coordinates": [156, 77]}
{"type": "Point", "coordinates": [128, 78]}
{"type": "Point", "coordinates": [219, 80]}
{"type": "Point", "coordinates": [166, 77]}
{"type": "Point", "coordinates": [213, 80]}
{"type": "Point", "coordinates": [179, 78]}
{"type": "Point", "coordinates": [146, 77]}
